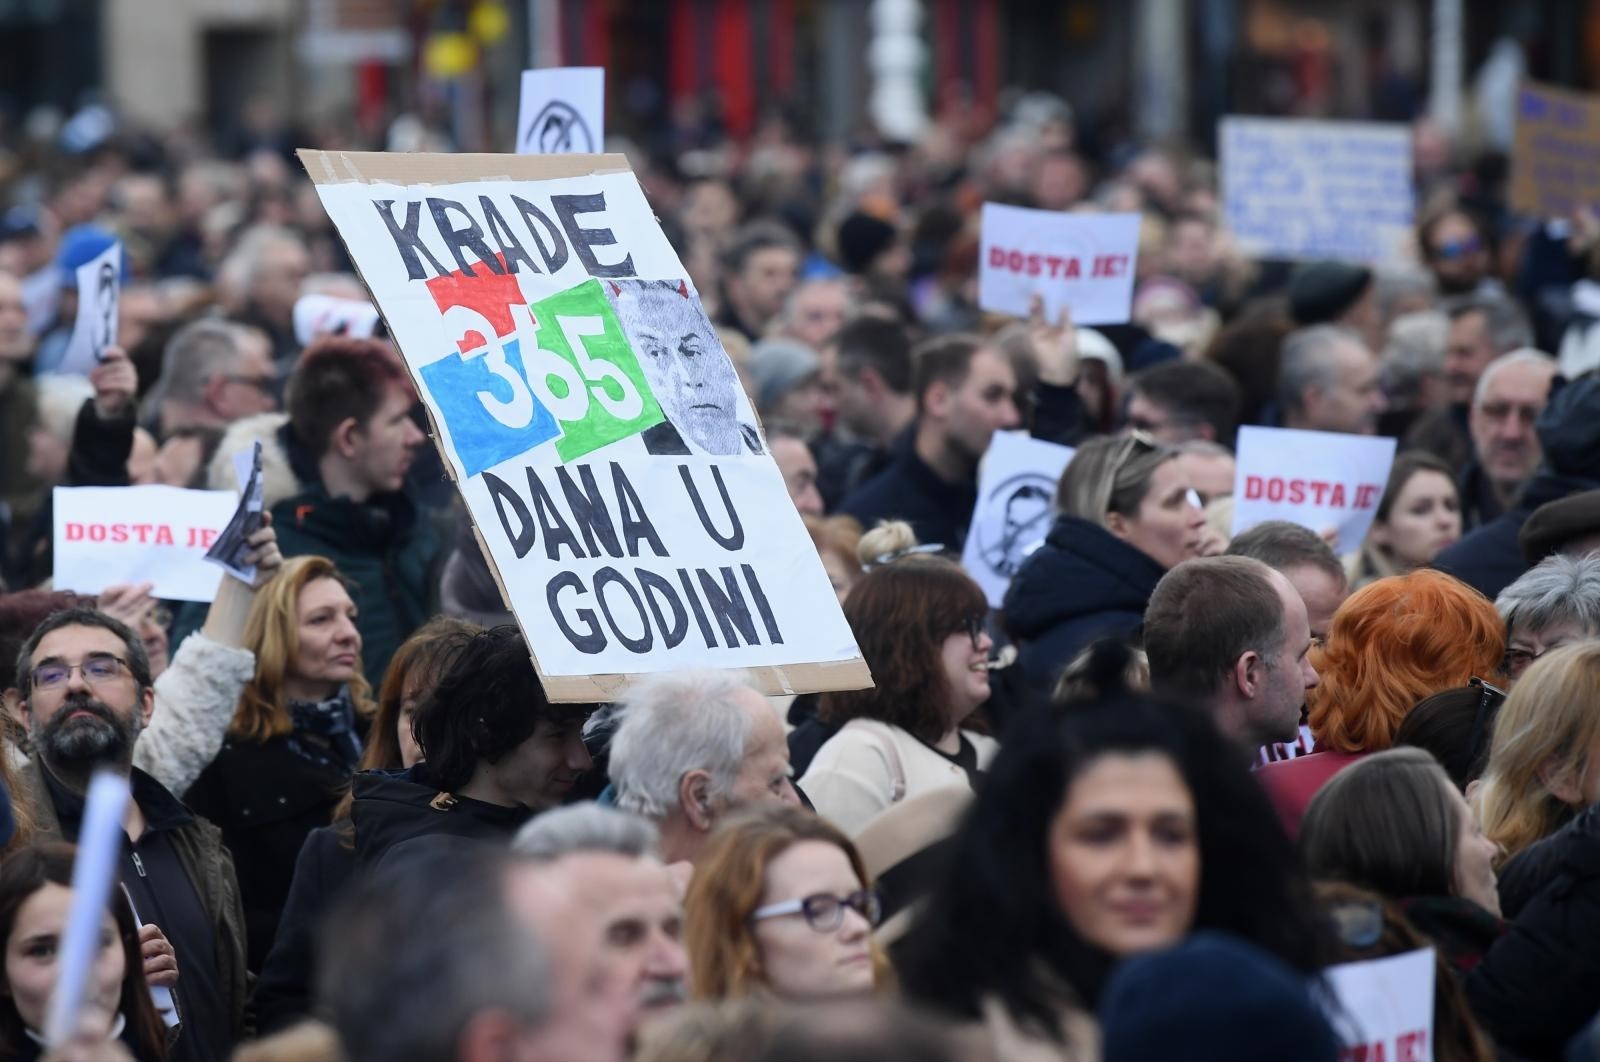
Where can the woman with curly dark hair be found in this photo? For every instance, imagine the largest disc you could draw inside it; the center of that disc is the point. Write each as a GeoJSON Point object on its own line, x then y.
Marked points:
{"type": "Point", "coordinates": [1107, 829]}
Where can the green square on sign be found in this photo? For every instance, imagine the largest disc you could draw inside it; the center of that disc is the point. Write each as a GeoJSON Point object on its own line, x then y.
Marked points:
{"type": "Point", "coordinates": [620, 402]}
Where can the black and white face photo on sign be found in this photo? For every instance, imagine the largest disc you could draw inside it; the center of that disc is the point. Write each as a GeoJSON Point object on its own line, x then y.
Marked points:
{"type": "Point", "coordinates": [692, 378]}
{"type": "Point", "coordinates": [105, 315]}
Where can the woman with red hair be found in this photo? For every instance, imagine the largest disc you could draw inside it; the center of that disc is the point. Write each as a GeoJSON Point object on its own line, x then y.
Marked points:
{"type": "Point", "coordinates": [1391, 644]}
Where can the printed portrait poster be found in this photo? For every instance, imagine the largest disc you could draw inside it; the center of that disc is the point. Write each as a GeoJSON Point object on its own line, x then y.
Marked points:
{"type": "Point", "coordinates": [95, 327]}
{"type": "Point", "coordinates": [616, 472]}
{"type": "Point", "coordinates": [1015, 509]}
{"type": "Point", "coordinates": [562, 111]}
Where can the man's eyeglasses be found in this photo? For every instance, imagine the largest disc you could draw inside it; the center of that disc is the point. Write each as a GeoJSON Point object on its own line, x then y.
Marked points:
{"type": "Point", "coordinates": [1453, 249]}
{"type": "Point", "coordinates": [824, 912]}
{"type": "Point", "coordinates": [96, 670]}
{"type": "Point", "coordinates": [264, 384]}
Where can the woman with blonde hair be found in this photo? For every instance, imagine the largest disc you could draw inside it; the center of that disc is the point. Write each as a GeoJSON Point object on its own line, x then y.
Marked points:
{"type": "Point", "coordinates": [781, 905]}
{"type": "Point", "coordinates": [295, 739]}
{"type": "Point", "coordinates": [1391, 644]}
{"type": "Point", "coordinates": [1544, 757]}
{"type": "Point", "coordinates": [1126, 513]}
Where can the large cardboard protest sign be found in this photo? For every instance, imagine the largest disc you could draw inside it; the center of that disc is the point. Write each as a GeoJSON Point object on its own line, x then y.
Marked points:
{"type": "Point", "coordinates": [1555, 158]}
{"type": "Point", "coordinates": [614, 469]}
{"type": "Point", "coordinates": [1385, 1007]}
{"type": "Point", "coordinates": [115, 536]}
{"type": "Point", "coordinates": [1084, 262]}
{"type": "Point", "coordinates": [1316, 479]}
{"type": "Point", "coordinates": [1308, 190]}
{"type": "Point", "coordinates": [1016, 495]}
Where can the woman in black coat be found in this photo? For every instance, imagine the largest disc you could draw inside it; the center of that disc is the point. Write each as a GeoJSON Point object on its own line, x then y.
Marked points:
{"type": "Point", "coordinates": [295, 739]}
{"type": "Point", "coordinates": [1126, 513]}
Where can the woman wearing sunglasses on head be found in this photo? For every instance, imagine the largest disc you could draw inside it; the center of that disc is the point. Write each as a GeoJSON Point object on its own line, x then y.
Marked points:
{"type": "Point", "coordinates": [1125, 514]}
{"type": "Point", "coordinates": [780, 904]}
{"type": "Point", "coordinates": [919, 620]}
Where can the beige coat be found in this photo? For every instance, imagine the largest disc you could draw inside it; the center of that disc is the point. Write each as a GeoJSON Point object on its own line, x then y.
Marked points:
{"type": "Point", "coordinates": [868, 766]}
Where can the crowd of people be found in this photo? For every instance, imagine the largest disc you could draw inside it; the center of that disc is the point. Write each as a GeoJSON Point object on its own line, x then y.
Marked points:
{"type": "Point", "coordinates": [1136, 812]}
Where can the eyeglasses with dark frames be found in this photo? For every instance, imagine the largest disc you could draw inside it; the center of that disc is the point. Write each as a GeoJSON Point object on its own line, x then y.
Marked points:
{"type": "Point", "coordinates": [97, 669]}
{"type": "Point", "coordinates": [823, 911]}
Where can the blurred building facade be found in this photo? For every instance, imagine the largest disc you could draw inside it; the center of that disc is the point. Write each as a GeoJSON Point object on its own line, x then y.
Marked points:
{"type": "Point", "coordinates": [1164, 67]}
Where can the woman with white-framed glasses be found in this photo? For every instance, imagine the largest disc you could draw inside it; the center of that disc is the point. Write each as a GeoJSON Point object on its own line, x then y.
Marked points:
{"type": "Point", "coordinates": [781, 904]}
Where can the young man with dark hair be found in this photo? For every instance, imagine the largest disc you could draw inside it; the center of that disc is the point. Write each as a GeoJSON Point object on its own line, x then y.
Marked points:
{"type": "Point", "coordinates": [759, 269]}
{"type": "Point", "coordinates": [350, 423]}
{"type": "Point", "coordinates": [495, 752]}
{"type": "Point", "coordinates": [1183, 401]}
{"type": "Point", "coordinates": [86, 694]}
{"type": "Point", "coordinates": [1231, 634]}
{"type": "Point", "coordinates": [965, 392]}
{"type": "Point", "coordinates": [874, 400]}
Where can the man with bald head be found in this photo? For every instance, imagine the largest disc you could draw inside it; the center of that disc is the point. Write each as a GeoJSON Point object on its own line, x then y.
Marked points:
{"type": "Point", "coordinates": [1232, 634]}
{"type": "Point", "coordinates": [1506, 403]}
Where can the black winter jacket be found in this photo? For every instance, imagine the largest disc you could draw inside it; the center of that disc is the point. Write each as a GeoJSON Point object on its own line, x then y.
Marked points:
{"type": "Point", "coordinates": [1081, 585]}
{"type": "Point", "coordinates": [1540, 984]}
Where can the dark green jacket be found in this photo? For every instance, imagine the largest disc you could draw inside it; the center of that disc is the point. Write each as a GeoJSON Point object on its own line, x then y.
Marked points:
{"type": "Point", "coordinates": [388, 553]}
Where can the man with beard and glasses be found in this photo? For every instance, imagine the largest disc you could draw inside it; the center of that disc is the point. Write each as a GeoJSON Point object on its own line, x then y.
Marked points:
{"type": "Point", "coordinates": [611, 859]}
{"type": "Point", "coordinates": [86, 696]}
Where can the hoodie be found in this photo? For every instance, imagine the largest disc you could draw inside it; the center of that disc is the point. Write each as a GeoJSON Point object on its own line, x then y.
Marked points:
{"type": "Point", "coordinates": [1081, 585]}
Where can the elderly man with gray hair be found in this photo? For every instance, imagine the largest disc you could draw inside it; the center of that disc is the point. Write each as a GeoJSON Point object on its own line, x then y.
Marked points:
{"type": "Point", "coordinates": [608, 858]}
{"type": "Point", "coordinates": [1329, 381]}
{"type": "Point", "coordinates": [1555, 603]}
{"type": "Point", "coordinates": [692, 747]}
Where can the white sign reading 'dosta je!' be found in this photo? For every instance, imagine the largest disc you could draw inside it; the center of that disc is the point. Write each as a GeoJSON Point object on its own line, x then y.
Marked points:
{"type": "Point", "coordinates": [1385, 1007]}
{"type": "Point", "coordinates": [114, 536]}
{"type": "Point", "coordinates": [1083, 262]}
{"type": "Point", "coordinates": [1317, 479]}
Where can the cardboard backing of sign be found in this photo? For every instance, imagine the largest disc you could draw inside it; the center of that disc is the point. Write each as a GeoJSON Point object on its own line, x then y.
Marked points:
{"type": "Point", "coordinates": [334, 167]}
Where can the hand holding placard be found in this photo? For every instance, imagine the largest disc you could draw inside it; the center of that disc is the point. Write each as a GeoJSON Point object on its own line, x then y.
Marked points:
{"type": "Point", "coordinates": [1054, 346]}
{"type": "Point", "coordinates": [1078, 262]}
{"type": "Point", "coordinates": [1315, 479]}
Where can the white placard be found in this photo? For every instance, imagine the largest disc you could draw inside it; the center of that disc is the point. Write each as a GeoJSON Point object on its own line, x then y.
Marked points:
{"type": "Point", "coordinates": [328, 315]}
{"type": "Point", "coordinates": [1084, 262]}
{"type": "Point", "coordinates": [95, 328]}
{"type": "Point", "coordinates": [591, 420]}
{"type": "Point", "coordinates": [563, 111]}
{"type": "Point", "coordinates": [1387, 1007]}
{"type": "Point", "coordinates": [1316, 479]}
{"type": "Point", "coordinates": [1016, 494]}
{"type": "Point", "coordinates": [94, 868]}
{"type": "Point", "coordinates": [112, 536]}
{"type": "Point", "coordinates": [1306, 190]}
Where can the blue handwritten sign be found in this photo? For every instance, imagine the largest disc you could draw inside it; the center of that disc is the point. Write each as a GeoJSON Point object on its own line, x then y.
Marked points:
{"type": "Point", "coordinates": [1309, 190]}
{"type": "Point", "coordinates": [1555, 159]}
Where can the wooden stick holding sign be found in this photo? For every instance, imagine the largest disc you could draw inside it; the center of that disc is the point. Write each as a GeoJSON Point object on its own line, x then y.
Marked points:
{"type": "Point", "coordinates": [612, 465]}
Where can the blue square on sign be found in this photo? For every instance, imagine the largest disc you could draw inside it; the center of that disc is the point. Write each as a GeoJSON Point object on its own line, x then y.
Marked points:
{"type": "Point", "coordinates": [490, 417]}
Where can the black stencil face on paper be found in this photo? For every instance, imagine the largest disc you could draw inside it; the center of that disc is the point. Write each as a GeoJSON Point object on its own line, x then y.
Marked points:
{"type": "Point", "coordinates": [559, 129]}
{"type": "Point", "coordinates": [1024, 502]}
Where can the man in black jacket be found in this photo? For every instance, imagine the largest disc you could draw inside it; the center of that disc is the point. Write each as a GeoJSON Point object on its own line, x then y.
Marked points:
{"type": "Point", "coordinates": [1490, 559]}
{"type": "Point", "coordinates": [86, 688]}
{"type": "Point", "coordinates": [966, 391]}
